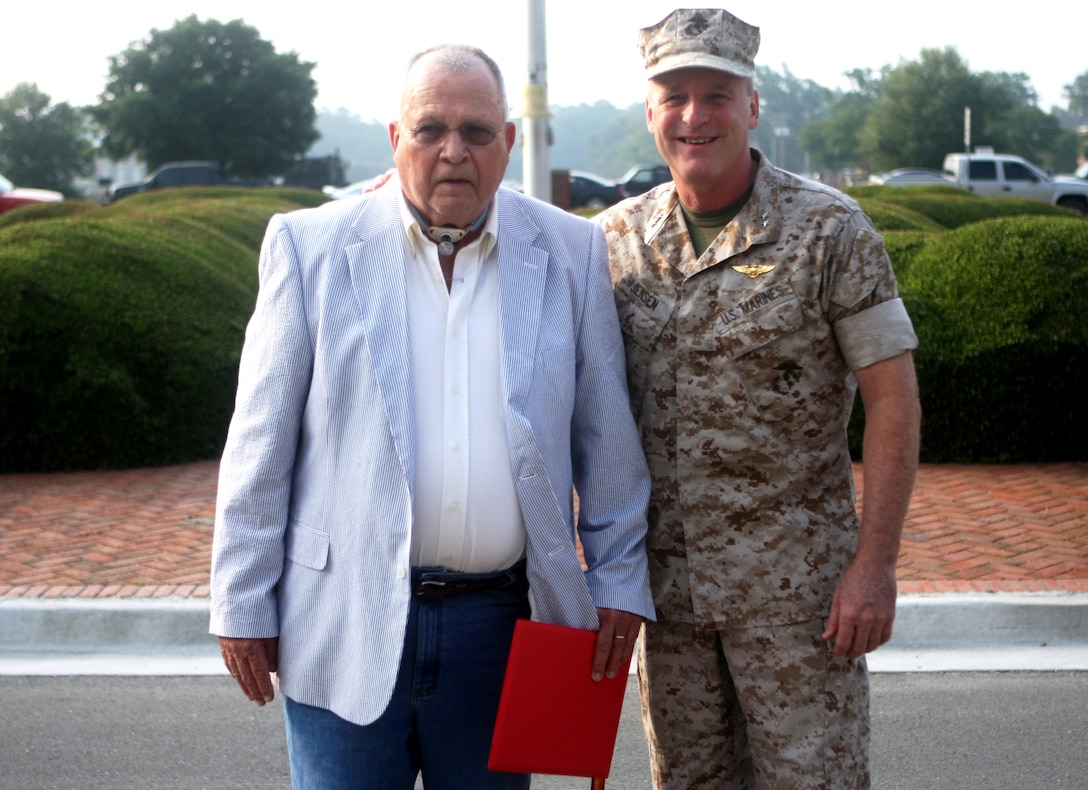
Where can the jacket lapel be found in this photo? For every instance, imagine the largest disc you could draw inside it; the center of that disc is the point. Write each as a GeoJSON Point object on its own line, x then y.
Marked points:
{"type": "Point", "coordinates": [376, 265]}
{"type": "Point", "coordinates": [523, 269]}
{"type": "Point", "coordinates": [555, 574]}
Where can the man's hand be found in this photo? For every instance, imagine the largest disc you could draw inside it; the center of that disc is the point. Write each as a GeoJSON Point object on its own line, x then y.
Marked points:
{"type": "Point", "coordinates": [615, 641]}
{"type": "Point", "coordinates": [863, 609]}
{"type": "Point", "coordinates": [251, 662]}
{"type": "Point", "coordinates": [380, 181]}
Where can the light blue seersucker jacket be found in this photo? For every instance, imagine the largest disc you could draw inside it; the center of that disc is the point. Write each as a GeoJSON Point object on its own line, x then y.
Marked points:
{"type": "Point", "coordinates": [314, 513]}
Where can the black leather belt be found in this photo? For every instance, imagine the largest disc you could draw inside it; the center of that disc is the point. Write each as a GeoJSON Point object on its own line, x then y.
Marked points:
{"type": "Point", "coordinates": [435, 583]}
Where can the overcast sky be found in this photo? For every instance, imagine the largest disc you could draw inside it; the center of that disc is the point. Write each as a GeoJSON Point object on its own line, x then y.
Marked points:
{"type": "Point", "coordinates": [361, 48]}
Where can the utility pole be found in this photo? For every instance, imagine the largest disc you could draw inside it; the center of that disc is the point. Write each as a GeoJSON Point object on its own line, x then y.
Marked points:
{"type": "Point", "coordinates": [536, 164]}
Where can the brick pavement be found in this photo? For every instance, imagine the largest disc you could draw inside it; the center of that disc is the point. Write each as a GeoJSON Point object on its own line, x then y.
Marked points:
{"type": "Point", "coordinates": [146, 533]}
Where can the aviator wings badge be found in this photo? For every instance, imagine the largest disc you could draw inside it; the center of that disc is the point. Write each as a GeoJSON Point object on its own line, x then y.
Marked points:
{"type": "Point", "coordinates": [753, 270]}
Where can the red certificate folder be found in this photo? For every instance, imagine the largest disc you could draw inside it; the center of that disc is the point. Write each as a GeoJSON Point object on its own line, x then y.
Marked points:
{"type": "Point", "coordinates": [553, 718]}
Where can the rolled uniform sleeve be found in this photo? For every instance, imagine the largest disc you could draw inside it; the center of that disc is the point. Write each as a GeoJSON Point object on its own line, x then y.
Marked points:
{"type": "Point", "coordinates": [878, 333]}
{"type": "Point", "coordinates": [869, 319]}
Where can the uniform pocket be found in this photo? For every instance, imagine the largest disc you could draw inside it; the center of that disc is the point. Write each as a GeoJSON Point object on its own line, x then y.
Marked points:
{"type": "Point", "coordinates": [772, 356]}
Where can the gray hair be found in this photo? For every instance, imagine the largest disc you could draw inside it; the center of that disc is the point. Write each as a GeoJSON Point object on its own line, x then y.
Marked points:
{"type": "Point", "coordinates": [459, 58]}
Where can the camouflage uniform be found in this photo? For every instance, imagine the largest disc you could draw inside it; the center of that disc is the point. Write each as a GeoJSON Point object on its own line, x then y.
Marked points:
{"type": "Point", "coordinates": [739, 365]}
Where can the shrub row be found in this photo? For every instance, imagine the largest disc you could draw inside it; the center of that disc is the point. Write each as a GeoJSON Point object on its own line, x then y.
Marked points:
{"type": "Point", "coordinates": [997, 300]}
{"type": "Point", "coordinates": [121, 327]}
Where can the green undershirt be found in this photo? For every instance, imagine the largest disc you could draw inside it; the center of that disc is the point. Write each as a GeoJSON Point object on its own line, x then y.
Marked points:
{"type": "Point", "coordinates": [704, 226]}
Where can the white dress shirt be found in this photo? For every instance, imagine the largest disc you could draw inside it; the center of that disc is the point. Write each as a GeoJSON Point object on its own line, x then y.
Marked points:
{"type": "Point", "coordinates": [466, 515]}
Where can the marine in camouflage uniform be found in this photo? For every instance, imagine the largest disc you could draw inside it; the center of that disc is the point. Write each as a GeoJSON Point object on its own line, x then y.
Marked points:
{"type": "Point", "coordinates": [740, 366]}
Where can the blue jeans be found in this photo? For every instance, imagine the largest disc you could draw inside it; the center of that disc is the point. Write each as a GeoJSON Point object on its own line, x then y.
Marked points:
{"type": "Point", "coordinates": [442, 714]}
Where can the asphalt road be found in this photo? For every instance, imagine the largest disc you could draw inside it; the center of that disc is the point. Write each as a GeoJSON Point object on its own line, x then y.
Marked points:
{"type": "Point", "coordinates": [984, 731]}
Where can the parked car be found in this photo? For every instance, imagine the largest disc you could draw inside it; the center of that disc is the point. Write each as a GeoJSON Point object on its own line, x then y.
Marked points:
{"type": "Point", "coordinates": [12, 196]}
{"type": "Point", "coordinates": [643, 178]}
{"type": "Point", "coordinates": [182, 174]}
{"type": "Point", "coordinates": [591, 191]}
{"type": "Point", "coordinates": [351, 190]}
{"type": "Point", "coordinates": [991, 174]}
{"type": "Point", "coordinates": [907, 176]}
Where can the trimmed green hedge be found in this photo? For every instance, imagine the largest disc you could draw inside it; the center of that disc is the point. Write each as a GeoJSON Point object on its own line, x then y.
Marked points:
{"type": "Point", "coordinates": [33, 212]}
{"type": "Point", "coordinates": [997, 301]}
{"type": "Point", "coordinates": [889, 216]}
{"type": "Point", "coordinates": [121, 327]}
{"type": "Point", "coordinates": [999, 309]}
{"type": "Point", "coordinates": [947, 207]}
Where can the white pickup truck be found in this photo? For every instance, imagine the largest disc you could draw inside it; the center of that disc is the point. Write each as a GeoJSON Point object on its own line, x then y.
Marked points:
{"type": "Point", "coordinates": [1005, 175]}
{"type": "Point", "coordinates": [997, 175]}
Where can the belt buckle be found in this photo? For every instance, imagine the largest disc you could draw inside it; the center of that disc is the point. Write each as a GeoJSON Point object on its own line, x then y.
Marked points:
{"type": "Point", "coordinates": [431, 588]}
{"type": "Point", "coordinates": [434, 588]}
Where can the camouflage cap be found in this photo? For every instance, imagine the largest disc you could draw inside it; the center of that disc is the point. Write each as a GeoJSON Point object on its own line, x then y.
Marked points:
{"type": "Point", "coordinates": [709, 38]}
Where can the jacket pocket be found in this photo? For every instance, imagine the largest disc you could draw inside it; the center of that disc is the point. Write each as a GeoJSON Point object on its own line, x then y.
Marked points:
{"type": "Point", "coordinates": [306, 546]}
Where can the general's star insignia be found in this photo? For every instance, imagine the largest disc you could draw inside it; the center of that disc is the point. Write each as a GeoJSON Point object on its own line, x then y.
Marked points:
{"type": "Point", "coordinates": [753, 270]}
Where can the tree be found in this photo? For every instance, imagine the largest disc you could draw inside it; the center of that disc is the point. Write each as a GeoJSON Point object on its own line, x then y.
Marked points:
{"type": "Point", "coordinates": [41, 145]}
{"type": "Point", "coordinates": [831, 141]}
{"type": "Point", "coordinates": [1077, 94]}
{"type": "Point", "coordinates": [1034, 135]}
{"type": "Point", "coordinates": [918, 116]}
{"type": "Point", "coordinates": [621, 143]}
{"type": "Point", "coordinates": [787, 104]}
{"type": "Point", "coordinates": [1012, 121]}
{"type": "Point", "coordinates": [576, 141]}
{"type": "Point", "coordinates": [209, 90]}
{"type": "Point", "coordinates": [364, 145]}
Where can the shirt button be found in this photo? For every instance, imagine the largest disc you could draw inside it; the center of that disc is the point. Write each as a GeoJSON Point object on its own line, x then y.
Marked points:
{"type": "Point", "coordinates": [453, 506]}
{"type": "Point", "coordinates": [401, 572]}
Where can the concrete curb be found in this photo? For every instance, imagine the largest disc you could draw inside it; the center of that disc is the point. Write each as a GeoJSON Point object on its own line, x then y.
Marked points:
{"type": "Point", "coordinates": [958, 620]}
{"type": "Point", "coordinates": [51, 637]}
{"type": "Point", "coordinates": [104, 626]}
{"type": "Point", "coordinates": [972, 632]}
{"type": "Point", "coordinates": [951, 632]}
